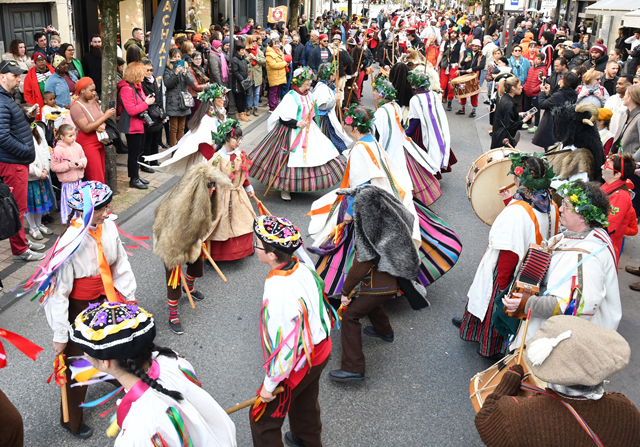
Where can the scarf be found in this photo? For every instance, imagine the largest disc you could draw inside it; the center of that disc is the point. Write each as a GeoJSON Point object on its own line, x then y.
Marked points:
{"type": "Point", "coordinates": [609, 189]}
{"type": "Point", "coordinates": [254, 51]}
{"type": "Point", "coordinates": [199, 72]}
{"type": "Point", "coordinates": [539, 200]}
{"type": "Point", "coordinates": [297, 90]}
{"type": "Point", "coordinates": [223, 66]}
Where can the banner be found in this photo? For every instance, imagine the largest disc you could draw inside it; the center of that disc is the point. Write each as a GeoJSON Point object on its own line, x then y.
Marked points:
{"type": "Point", "coordinates": [514, 5]}
{"type": "Point", "coordinates": [161, 32]}
{"type": "Point", "coordinates": [278, 14]}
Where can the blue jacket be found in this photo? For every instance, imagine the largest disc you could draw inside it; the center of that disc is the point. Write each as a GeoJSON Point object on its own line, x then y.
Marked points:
{"type": "Point", "coordinates": [308, 47]}
{"type": "Point", "coordinates": [58, 86]}
{"type": "Point", "coordinates": [16, 140]}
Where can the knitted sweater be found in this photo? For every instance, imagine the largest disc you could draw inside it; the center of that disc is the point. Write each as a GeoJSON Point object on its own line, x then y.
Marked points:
{"type": "Point", "coordinates": [541, 420]}
{"type": "Point", "coordinates": [373, 281]}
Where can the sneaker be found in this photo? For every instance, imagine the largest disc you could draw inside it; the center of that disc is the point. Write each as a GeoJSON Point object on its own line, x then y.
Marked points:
{"type": "Point", "coordinates": [285, 195]}
{"type": "Point", "coordinates": [195, 294]}
{"type": "Point", "coordinates": [84, 432]}
{"type": "Point", "coordinates": [461, 112]}
{"type": "Point", "coordinates": [45, 230]}
{"type": "Point", "coordinates": [472, 114]}
{"type": "Point", "coordinates": [35, 233]}
{"type": "Point", "coordinates": [533, 129]}
{"type": "Point", "coordinates": [35, 245]}
{"type": "Point", "coordinates": [525, 126]}
{"type": "Point", "coordinates": [176, 327]}
{"type": "Point", "coordinates": [28, 256]}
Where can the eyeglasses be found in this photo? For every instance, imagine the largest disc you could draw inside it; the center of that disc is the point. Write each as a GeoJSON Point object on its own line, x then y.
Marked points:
{"type": "Point", "coordinates": [150, 70]}
{"type": "Point", "coordinates": [257, 248]}
{"type": "Point", "coordinates": [517, 51]}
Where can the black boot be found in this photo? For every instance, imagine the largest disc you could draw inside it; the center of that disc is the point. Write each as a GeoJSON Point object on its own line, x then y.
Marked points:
{"type": "Point", "coordinates": [137, 183]}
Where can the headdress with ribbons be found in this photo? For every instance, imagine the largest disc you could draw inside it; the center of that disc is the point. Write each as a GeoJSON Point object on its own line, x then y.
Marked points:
{"type": "Point", "coordinates": [225, 130]}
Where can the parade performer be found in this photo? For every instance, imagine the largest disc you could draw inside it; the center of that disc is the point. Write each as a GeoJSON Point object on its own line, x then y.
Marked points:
{"type": "Point", "coordinates": [416, 61]}
{"type": "Point", "coordinates": [184, 219]}
{"type": "Point", "coordinates": [579, 153]}
{"type": "Point", "coordinates": [331, 215]}
{"type": "Point", "coordinates": [231, 237]}
{"type": "Point", "coordinates": [451, 54]}
{"type": "Point", "coordinates": [474, 62]}
{"type": "Point", "coordinates": [295, 156]}
{"type": "Point", "coordinates": [582, 279]}
{"type": "Point", "coordinates": [87, 264]}
{"type": "Point", "coordinates": [384, 253]}
{"type": "Point", "coordinates": [575, 358]}
{"type": "Point", "coordinates": [326, 99]}
{"type": "Point", "coordinates": [164, 404]}
{"type": "Point", "coordinates": [196, 146]}
{"type": "Point", "coordinates": [428, 124]}
{"type": "Point", "coordinates": [406, 155]}
{"type": "Point", "coordinates": [530, 218]}
{"type": "Point", "coordinates": [295, 324]}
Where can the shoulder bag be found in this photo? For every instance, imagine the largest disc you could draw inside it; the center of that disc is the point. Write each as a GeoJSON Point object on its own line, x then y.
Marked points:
{"type": "Point", "coordinates": [103, 136]}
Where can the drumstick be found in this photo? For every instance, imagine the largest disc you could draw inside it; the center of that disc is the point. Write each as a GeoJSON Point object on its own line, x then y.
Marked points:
{"type": "Point", "coordinates": [524, 337]}
{"type": "Point", "coordinates": [504, 188]}
{"type": "Point", "coordinates": [250, 402]}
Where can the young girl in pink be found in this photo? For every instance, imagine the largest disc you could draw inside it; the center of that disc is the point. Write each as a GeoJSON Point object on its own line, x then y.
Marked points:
{"type": "Point", "coordinates": [68, 162]}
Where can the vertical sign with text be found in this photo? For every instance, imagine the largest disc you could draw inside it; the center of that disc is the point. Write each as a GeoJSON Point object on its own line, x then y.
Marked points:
{"type": "Point", "coordinates": [161, 32]}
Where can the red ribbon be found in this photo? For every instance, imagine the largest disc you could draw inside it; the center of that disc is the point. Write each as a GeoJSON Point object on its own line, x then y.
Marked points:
{"type": "Point", "coordinates": [59, 371]}
{"type": "Point", "coordinates": [25, 346]}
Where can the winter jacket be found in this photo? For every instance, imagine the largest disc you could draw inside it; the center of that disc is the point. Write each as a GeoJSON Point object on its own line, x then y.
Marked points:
{"type": "Point", "coordinates": [532, 86]}
{"type": "Point", "coordinates": [151, 87]}
{"type": "Point", "coordinates": [215, 67]}
{"type": "Point", "coordinates": [296, 53]}
{"type": "Point", "coordinates": [576, 61]}
{"type": "Point", "coordinates": [195, 88]}
{"type": "Point", "coordinates": [32, 91]}
{"type": "Point", "coordinates": [60, 162]}
{"type": "Point", "coordinates": [316, 59]}
{"type": "Point", "coordinates": [93, 68]}
{"type": "Point", "coordinates": [133, 100]}
{"type": "Point", "coordinates": [256, 70]}
{"type": "Point", "coordinates": [239, 72]}
{"type": "Point", "coordinates": [59, 87]}
{"type": "Point", "coordinates": [42, 160]}
{"type": "Point", "coordinates": [521, 69]}
{"type": "Point", "coordinates": [131, 42]}
{"type": "Point", "coordinates": [16, 140]}
{"type": "Point", "coordinates": [544, 134]}
{"type": "Point", "coordinates": [176, 84]}
{"type": "Point", "coordinates": [306, 53]}
{"type": "Point", "coordinates": [628, 136]}
{"type": "Point", "coordinates": [276, 72]}
{"type": "Point", "coordinates": [506, 122]}
{"type": "Point", "coordinates": [599, 64]}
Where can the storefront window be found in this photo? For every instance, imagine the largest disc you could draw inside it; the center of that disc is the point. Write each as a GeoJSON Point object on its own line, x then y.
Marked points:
{"type": "Point", "coordinates": [131, 16]}
{"type": "Point", "coordinates": [198, 14]}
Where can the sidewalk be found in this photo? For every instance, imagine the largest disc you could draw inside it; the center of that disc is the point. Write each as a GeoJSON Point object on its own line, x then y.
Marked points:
{"type": "Point", "coordinates": [125, 204]}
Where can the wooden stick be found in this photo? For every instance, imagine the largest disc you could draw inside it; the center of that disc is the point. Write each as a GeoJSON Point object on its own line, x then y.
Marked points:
{"type": "Point", "coordinates": [503, 189]}
{"type": "Point", "coordinates": [65, 403]}
{"type": "Point", "coordinates": [338, 85]}
{"type": "Point", "coordinates": [183, 280]}
{"type": "Point", "coordinates": [215, 266]}
{"type": "Point", "coordinates": [250, 402]}
{"type": "Point", "coordinates": [258, 201]}
{"type": "Point", "coordinates": [393, 49]}
{"type": "Point", "coordinates": [356, 80]}
{"type": "Point", "coordinates": [524, 337]}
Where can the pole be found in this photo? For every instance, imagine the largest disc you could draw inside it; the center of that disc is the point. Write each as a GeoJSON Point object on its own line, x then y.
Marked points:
{"type": "Point", "coordinates": [183, 280]}
{"type": "Point", "coordinates": [231, 113]}
{"type": "Point", "coordinates": [248, 403]}
{"type": "Point", "coordinates": [375, 101]}
{"type": "Point", "coordinates": [215, 266]}
{"type": "Point", "coordinates": [338, 84]}
{"type": "Point", "coordinates": [524, 337]}
{"type": "Point", "coordinates": [356, 81]}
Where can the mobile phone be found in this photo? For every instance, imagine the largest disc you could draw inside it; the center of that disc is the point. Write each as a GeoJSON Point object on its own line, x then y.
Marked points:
{"type": "Point", "coordinates": [112, 104]}
{"type": "Point", "coordinates": [181, 63]}
{"type": "Point", "coordinates": [530, 112]}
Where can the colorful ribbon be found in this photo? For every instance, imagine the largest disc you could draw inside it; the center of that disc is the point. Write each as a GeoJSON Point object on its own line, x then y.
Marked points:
{"type": "Point", "coordinates": [105, 269]}
{"type": "Point", "coordinates": [25, 346]}
{"type": "Point", "coordinates": [59, 371]}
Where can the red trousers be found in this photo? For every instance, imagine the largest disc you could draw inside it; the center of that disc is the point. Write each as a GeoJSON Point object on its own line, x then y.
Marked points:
{"type": "Point", "coordinates": [17, 177]}
{"type": "Point", "coordinates": [445, 78]}
{"type": "Point", "coordinates": [474, 101]}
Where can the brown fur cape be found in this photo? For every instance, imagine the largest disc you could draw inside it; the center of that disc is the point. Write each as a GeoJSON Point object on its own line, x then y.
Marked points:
{"type": "Point", "coordinates": [184, 218]}
{"type": "Point", "coordinates": [571, 163]}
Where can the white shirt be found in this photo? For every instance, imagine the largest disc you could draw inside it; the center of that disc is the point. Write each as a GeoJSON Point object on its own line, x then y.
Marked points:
{"type": "Point", "coordinates": [614, 103]}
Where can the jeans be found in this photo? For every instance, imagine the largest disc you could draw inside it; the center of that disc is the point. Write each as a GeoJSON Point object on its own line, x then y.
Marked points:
{"type": "Point", "coordinates": [284, 88]}
{"type": "Point", "coordinates": [17, 177]}
{"type": "Point", "coordinates": [253, 96]}
{"type": "Point", "coordinates": [483, 74]}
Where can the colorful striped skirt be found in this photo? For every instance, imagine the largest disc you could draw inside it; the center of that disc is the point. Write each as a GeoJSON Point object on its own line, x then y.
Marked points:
{"type": "Point", "coordinates": [439, 252]}
{"type": "Point", "coordinates": [269, 155]}
{"type": "Point", "coordinates": [329, 131]}
{"type": "Point", "coordinates": [417, 138]}
{"type": "Point", "coordinates": [426, 187]}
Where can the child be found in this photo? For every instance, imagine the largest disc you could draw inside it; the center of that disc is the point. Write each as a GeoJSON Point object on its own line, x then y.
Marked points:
{"type": "Point", "coordinates": [51, 112]}
{"type": "Point", "coordinates": [294, 313]}
{"type": "Point", "coordinates": [56, 41]}
{"type": "Point", "coordinates": [39, 191]}
{"type": "Point", "coordinates": [68, 162]}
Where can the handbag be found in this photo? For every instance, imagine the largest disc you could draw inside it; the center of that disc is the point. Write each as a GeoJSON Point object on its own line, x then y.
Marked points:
{"type": "Point", "coordinates": [246, 83]}
{"type": "Point", "coordinates": [186, 100]}
{"type": "Point", "coordinates": [10, 223]}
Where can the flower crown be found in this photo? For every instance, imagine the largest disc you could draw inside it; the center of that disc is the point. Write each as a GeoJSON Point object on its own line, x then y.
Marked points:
{"type": "Point", "coordinates": [583, 204]}
{"type": "Point", "coordinates": [418, 79]}
{"type": "Point", "coordinates": [326, 71]}
{"type": "Point", "coordinates": [301, 75]}
{"type": "Point", "coordinates": [385, 89]}
{"type": "Point", "coordinates": [522, 171]}
{"type": "Point", "coordinates": [226, 129]}
{"type": "Point", "coordinates": [214, 91]}
{"type": "Point", "coordinates": [357, 119]}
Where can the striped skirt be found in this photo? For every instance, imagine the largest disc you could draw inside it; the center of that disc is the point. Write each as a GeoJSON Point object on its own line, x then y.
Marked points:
{"type": "Point", "coordinates": [426, 187]}
{"type": "Point", "coordinates": [417, 138]}
{"type": "Point", "coordinates": [269, 155]}
{"type": "Point", "coordinates": [329, 131]}
{"type": "Point", "coordinates": [439, 252]}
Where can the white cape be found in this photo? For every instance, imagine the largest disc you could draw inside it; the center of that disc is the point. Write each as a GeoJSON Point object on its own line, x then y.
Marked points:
{"type": "Point", "coordinates": [419, 109]}
{"type": "Point", "coordinates": [323, 94]}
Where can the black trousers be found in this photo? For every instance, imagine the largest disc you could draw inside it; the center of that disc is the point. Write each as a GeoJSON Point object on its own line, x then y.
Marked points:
{"type": "Point", "coordinates": [135, 141]}
{"type": "Point", "coordinates": [151, 142]}
{"type": "Point", "coordinates": [241, 101]}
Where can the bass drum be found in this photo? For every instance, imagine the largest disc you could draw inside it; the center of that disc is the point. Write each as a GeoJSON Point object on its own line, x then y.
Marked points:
{"type": "Point", "coordinates": [486, 176]}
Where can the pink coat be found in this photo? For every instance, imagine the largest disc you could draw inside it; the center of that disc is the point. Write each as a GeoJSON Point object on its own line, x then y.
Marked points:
{"type": "Point", "coordinates": [60, 158]}
{"type": "Point", "coordinates": [134, 104]}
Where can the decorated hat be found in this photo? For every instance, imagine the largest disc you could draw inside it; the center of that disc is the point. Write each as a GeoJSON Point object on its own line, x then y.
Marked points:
{"type": "Point", "coordinates": [580, 197]}
{"type": "Point", "coordinates": [571, 351]}
{"type": "Point", "coordinates": [521, 170]}
{"type": "Point", "coordinates": [100, 195]}
{"type": "Point", "coordinates": [326, 70]}
{"type": "Point", "coordinates": [113, 330]}
{"type": "Point", "coordinates": [385, 89]}
{"type": "Point", "coordinates": [225, 130]}
{"type": "Point", "coordinates": [302, 74]}
{"type": "Point", "coordinates": [278, 233]}
{"type": "Point", "coordinates": [57, 60]}
{"type": "Point", "coordinates": [419, 80]}
{"type": "Point", "coordinates": [357, 119]}
{"type": "Point", "coordinates": [214, 91]}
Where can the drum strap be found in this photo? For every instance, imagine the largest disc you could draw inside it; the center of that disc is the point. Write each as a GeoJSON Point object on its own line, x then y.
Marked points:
{"type": "Point", "coordinates": [534, 389]}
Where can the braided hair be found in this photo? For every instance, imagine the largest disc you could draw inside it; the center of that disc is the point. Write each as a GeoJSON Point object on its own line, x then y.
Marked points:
{"type": "Point", "coordinates": [135, 366]}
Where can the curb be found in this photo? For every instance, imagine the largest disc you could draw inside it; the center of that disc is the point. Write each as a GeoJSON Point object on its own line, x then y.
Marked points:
{"type": "Point", "coordinates": [254, 124]}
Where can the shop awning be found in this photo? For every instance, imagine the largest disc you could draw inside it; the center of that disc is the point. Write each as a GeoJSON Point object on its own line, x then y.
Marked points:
{"type": "Point", "coordinates": [607, 7]}
{"type": "Point", "coordinates": [632, 20]}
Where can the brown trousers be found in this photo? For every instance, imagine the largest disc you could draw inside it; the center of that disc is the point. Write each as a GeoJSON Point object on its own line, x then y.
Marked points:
{"type": "Point", "coordinates": [196, 269]}
{"type": "Point", "coordinates": [11, 428]}
{"type": "Point", "coordinates": [304, 415]}
{"type": "Point", "coordinates": [363, 305]}
{"type": "Point", "coordinates": [176, 129]}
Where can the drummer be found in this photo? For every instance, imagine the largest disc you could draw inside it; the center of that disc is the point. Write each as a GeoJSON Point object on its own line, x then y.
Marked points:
{"type": "Point", "coordinates": [575, 371]}
{"type": "Point", "coordinates": [530, 217]}
{"type": "Point", "coordinates": [473, 63]}
{"type": "Point", "coordinates": [582, 279]}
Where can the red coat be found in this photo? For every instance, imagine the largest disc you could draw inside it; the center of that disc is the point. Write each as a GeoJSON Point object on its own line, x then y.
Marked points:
{"type": "Point", "coordinates": [134, 103]}
{"type": "Point", "coordinates": [532, 84]}
{"type": "Point", "coordinates": [622, 218]}
{"type": "Point", "coordinates": [32, 92]}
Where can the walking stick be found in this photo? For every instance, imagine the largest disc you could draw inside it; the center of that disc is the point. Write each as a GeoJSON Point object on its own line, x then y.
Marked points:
{"type": "Point", "coordinates": [375, 101]}
{"type": "Point", "coordinates": [356, 82]}
{"type": "Point", "coordinates": [59, 377]}
{"type": "Point", "coordinates": [183, 280]}
{"type": "Point", "coordinates": [248, 403]}
{"type": "Point", "coordinates": [261, 208]}
{"type": "Point", "coordinates": [338, 84]}
{"type": "Point", "coordinates": [393, 49]}
{"type": "Point", "coordinates": [524, 337]}
{"type": "Point", "coordinates": [215, 266]}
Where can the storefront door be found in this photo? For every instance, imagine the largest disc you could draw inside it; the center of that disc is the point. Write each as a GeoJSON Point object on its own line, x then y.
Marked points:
{"type": "Point", "coordinates": [22, 21]}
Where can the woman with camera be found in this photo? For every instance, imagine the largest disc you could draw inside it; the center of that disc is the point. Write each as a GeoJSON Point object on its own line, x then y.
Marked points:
{"type": "Point", "coordinates": [133, 117]}
{"type": "Point", "coordinates": [179, 101]}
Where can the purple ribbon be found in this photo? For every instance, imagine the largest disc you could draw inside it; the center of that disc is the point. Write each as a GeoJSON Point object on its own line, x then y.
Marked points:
{"type": "Point", "coordinates": [436, 129]}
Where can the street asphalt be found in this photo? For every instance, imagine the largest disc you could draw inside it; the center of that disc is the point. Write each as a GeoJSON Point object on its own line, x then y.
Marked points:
{"type": "Point", "coordinates": [416, 391]}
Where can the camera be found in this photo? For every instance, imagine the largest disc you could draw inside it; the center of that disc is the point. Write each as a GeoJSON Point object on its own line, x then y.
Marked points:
{"type": "Point", "coordinates": [144, 116]}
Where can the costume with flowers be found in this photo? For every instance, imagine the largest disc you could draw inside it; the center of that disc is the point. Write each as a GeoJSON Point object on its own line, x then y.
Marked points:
{"type": "Point", "coordinates": [324, 93]}
{"type": "Point", "coordinates": [403, 151]}
{"type": "Point", "coordinates": [529, 218]}
{"type": "Point", "coordinates": [582, 279]}
{"type": "Point", "coordinates": [300, 159]}
{"type": "Point", "coordinates": [145, 415]}
{"type": "Point", "coordinates": [368, 163]}
{"type": "Point", "coordinates": [295, 324]}
{"type": "Point", "coordinates": [196, 146]}
{"type": "Point", "coordinates": [232, 235]}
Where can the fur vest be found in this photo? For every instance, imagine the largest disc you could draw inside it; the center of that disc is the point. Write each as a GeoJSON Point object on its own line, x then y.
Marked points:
{"type": "Point", "coordinates": [571, 163]}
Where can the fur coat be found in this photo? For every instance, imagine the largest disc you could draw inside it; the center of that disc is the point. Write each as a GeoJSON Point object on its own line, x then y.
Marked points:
{"type": "Point", "coordinates": [184, 217]}
{"type": "Point", "coordinates": [567, 164]}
